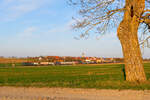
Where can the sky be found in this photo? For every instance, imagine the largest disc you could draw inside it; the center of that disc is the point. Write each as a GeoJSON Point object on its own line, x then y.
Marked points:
{"type": "Point", "coordinates": [43, 28]}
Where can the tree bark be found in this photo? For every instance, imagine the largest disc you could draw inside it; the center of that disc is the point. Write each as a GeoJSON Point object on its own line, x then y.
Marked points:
{"type": "Point", "coordinates": [128, 36]}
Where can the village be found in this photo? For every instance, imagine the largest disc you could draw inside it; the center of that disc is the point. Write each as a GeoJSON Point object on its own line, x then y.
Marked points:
{"type": "Point", "coordinates": [58, 60]}
{"type": "Point", "coordinates": [68, 60]}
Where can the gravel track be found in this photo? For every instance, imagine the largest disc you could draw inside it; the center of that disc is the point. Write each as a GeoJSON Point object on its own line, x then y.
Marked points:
{"type": "Point", "coordinates": [21, 93]}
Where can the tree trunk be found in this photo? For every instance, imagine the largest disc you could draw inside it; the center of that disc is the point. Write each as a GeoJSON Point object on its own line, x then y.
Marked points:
{"type": "Point", "coordinates": [127, 34]}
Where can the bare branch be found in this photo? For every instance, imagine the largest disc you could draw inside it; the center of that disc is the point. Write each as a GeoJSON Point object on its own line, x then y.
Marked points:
{"type": "Point", "coordinates": [145, 41]}
{"type": "Point", "coordinates": [148, 1]}
{"type": "Point", "coordinates": [146, 19]}
{"type": "Point", "coordinates": [147, 10]}
{"type": "Point", "coordinates": [115, 11]}
{"type": "Point", "coordinates": [98, 15]}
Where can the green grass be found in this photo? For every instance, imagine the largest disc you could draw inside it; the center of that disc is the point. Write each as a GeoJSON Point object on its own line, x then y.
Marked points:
{"type": "Point", "coordinates": [80, 76]}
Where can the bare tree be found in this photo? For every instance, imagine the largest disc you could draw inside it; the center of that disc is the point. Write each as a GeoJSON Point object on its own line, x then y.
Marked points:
{"type": "Point", "coordinates": [130, 16]}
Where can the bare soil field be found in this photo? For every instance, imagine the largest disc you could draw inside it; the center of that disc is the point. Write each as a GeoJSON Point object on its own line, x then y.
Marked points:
{"type": "Point", "coordinates": [21, 93]}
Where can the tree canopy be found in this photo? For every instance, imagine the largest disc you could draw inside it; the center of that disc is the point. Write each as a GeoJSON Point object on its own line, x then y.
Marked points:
{"type": "Point", "coordinates": [102, 15]}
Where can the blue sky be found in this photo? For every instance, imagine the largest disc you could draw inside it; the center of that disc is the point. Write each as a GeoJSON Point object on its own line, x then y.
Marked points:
{"type": "Point", "coordinates": [43, 27]}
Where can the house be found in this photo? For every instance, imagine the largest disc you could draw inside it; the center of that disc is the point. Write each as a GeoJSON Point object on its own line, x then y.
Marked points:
{"type": "Point", "coordinates": [47, 63]}
{"type": "Point", "coordinates": [35, 63]}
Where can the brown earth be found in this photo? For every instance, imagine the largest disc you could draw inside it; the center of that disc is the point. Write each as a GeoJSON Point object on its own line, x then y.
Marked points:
{"type": "Point", "coordinates": [21, 93]}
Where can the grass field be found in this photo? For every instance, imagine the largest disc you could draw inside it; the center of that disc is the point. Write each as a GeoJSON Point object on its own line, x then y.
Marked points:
{"type": "Point", "coordinates": [79, 76]}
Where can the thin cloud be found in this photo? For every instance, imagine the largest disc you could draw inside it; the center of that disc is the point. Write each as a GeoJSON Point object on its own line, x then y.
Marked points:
{"type": "Point", "coordinates": [13, 9]}
{"type": "Point", "coordinates": [28, 33]}
{"type": "Point", "coordinates": [66, 28]}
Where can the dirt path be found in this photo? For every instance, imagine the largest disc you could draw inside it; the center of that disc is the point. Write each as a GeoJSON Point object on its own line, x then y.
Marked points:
{"type": "Point", "coordinates": [13, 93]}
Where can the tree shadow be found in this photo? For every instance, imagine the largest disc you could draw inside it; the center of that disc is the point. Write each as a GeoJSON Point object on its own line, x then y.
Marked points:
{"type": "Point", "coordinates": [123, 70]}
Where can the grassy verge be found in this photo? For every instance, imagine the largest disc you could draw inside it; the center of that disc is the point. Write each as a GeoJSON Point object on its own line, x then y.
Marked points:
{"type": "Point", "coordinates": [90, 76]}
